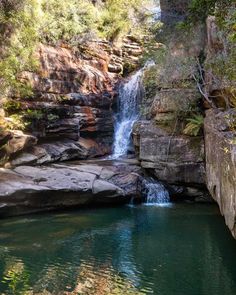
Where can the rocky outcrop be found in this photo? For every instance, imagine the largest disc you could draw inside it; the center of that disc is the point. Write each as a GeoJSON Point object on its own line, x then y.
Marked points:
{"type": "Point", "coordinates": [221, 162]}
{"type": "Point", "coordinates": [69, 115]}
{"type": "Point", "coordinates": [28, 189]}
{"type": "Point", "coordinates": [220, 125]}
{"type": "Point", "coordinates": [172, 98]}
{"type": "Point", "coordinates": [219, 78]}
{"type": "Point", "coordinates": [175, 159]}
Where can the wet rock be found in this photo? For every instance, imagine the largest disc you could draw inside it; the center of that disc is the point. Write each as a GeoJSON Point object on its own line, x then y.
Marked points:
{"type": "Point", "coordinates": [99, 186]}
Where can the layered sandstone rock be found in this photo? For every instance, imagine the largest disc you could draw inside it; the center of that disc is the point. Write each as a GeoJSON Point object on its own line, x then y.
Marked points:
{"type": "Point", "coordinates": [221, 162]}
{"type": "Point", "coordinates": [220, 128]}
{"type": "Point", "coordinates": [28, 189]}
{"type": "Point", "coordinates": [175, 159]}
{"type": "Point", "coordinates": [70, 113]}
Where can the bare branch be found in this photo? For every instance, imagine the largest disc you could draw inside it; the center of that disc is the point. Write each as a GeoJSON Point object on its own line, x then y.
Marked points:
{"type": "Point", "coordinates": [205, 95]}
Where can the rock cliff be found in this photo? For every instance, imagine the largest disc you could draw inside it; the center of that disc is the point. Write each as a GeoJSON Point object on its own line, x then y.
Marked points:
{"type": "Point", "coordinates": [220, 132]}
{"type": "Point", "coordinates": [221, 163]}
{"type": "Point", "coordinates": [163, 147]}
{"type": "Point", "coordinates": [69, 115]}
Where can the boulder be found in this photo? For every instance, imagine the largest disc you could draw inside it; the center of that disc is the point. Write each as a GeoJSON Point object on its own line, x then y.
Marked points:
{"type": "Point", "coordinates": [62, 150]}
{"type": "Point", "coordinates": [20, 142]}
{"type": "Point", "coordinates": [173, 159]}
{"type": "Point", "coordinates": [28, 189]}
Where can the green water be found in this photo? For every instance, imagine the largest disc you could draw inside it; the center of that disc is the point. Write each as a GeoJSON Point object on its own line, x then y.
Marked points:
{"type": "Point", "coordinates": [180, 250]}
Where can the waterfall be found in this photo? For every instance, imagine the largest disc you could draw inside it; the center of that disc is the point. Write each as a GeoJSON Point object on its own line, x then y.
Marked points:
{"type": "Point", "coordinates": [155, 192]}
{"type": "Point", "coordinates": [130, 94]}
{"type": "Point", "coordinates": [127, 113]}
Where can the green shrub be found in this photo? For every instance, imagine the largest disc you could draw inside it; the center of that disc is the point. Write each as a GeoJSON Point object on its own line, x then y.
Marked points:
{"type": "Point", "coordinates": [16, 122]}
{"type": "Point", "coordinates": [34, 114]}
{"type": "Point", "coordinates": [25, 23]}
{"type": "Point", "coordinates": [224, 62]}
{"type": "Point", "coordinates": [119, 16]}
{"type": "Point", "coordinates": [11, 106]}
{"type": "Point", "coordinates": [17, 44]}
{"type": "Point", "coordinates": [194, 125]}
{"type": "Point", "coordinates": [66, 20]}
{"type": "Point", "coordinates": [52, 117]}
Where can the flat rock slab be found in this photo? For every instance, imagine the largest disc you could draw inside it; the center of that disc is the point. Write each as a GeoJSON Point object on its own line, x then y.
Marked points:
{"type": "Point", "coordinates": [28, 189]}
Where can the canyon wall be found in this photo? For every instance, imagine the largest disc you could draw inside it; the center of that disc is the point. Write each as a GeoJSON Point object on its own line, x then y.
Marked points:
{"type": "Point", "coordinates": [219, 130]}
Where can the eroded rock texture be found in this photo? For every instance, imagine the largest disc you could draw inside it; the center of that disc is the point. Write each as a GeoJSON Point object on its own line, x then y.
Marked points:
{"type": "Point", "coordinates": [70, 113]}
{"type": "Point", "coordinates": [221, 162]}
{"type": "Point", "coordinates": [220, 131]}
{"type": "Point", "coordinates": [28, 189]}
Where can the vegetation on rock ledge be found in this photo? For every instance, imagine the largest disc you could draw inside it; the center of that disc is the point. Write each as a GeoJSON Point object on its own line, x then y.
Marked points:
{"type": "Point", "coordinates": [26, 23]}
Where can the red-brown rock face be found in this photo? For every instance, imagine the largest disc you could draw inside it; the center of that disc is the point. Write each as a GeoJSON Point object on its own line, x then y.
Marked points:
{"type": "Point", "coordinates": [71, 108]}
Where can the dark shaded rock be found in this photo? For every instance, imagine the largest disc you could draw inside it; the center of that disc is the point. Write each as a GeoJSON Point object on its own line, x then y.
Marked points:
{"type": "Point", "coordinates": [65, 128]}
{"type": "Point", "coordinates": [195, 194]}
{"type": "Point", "coordinates": [4, 137]}
{"type": "Point", "coordinates": [221, 164]}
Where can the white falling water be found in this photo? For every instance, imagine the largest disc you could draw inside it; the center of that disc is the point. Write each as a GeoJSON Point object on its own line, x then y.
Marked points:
{"type": "Point", "coordinates": [128, 112]}
{"type": "Point", "coordinates": [155, 192]}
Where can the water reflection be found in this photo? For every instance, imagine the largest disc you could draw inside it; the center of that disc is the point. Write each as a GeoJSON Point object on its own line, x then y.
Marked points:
{"type": "Point", "coordinates": [183, 249]}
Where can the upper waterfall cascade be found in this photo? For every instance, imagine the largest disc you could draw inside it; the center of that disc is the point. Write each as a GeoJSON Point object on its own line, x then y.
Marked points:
{"type": "Point", "coordinates": [130, 94]}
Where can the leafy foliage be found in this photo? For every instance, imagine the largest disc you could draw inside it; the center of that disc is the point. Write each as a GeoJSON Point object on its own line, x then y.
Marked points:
{"type": "Point", "coordinates": [17, 44]}
{"type": "Point", "coordinates": [64, 21]}
{"type": "Point", "coordinates": [25, 23]}
{"type": "Point", "coordinates": [194, 126]}
{"type": "Point", "coordinates": [118, 16]}
{"type": "Point", "coordinates": [222, 64]}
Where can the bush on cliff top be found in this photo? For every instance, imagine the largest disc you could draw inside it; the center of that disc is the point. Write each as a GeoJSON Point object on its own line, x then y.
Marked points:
{"type": "Point", "coordinates": [23, 24]}
{"type": "Point", "coordinates": [19, 34]}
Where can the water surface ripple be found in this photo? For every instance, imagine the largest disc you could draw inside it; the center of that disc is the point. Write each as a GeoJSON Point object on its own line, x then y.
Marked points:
{"type": "Point", "coordinates": [177, 250]}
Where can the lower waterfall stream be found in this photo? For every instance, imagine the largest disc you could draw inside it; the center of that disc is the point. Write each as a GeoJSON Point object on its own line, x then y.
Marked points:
{"type": "Point", "coordinates": [155, 192]}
